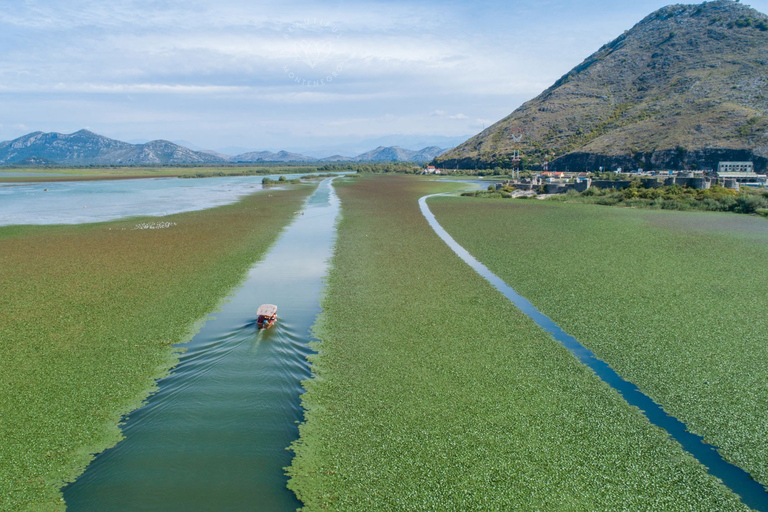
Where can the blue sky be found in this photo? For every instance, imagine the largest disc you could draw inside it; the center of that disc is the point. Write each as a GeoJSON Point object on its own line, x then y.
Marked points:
{"type": "Point", "coordinates": [318, 76]}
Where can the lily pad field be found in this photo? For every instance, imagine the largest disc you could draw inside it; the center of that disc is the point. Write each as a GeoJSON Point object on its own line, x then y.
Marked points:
{"type": "Point", "coordinates": [88, 317]}
{"type": "Point", "coordinates": [431, 391]}
{"type": "Point", "coordinates": [674, 301]}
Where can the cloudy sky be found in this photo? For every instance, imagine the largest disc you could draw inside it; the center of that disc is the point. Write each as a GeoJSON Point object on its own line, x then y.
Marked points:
{"type": "Point", "coordinates": [320, 76]}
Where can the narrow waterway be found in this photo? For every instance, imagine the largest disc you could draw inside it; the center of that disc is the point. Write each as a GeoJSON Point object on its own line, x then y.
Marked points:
{"type": "Point", "coordinates": [751, 492]}
{"type": "Point", "coordinates": [214, 435]}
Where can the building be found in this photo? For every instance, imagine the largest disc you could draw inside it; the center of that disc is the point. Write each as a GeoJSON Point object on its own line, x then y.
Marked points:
{"type": "Point", "coordinates": [739, 167]}
{"type": "Point", "coordinates": [731, 174]}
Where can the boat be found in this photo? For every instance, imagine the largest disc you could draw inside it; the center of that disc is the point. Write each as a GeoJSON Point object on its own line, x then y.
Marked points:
{"type": "Point", "coordinates": [267, 316]}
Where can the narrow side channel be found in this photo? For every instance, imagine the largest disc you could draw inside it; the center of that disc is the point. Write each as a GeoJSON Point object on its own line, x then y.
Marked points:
{"type": "Point", "coordinates": [739, 481]}
{"type": "Point", "coordinates": [215, 434]}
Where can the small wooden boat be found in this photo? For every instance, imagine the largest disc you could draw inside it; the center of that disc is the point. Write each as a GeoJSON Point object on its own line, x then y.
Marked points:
{"type": "Point", "coordinates": [267, 316]}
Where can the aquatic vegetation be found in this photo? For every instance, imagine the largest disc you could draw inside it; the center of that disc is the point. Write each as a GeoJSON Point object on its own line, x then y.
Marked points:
{"type": "Point", "coordinates": [88, 317]}
{"type": "Point", "coordinates": [675, 302]}
{"type": "Point", "coordinates": [433, 392]}
{"type": "Point", "coordinates": [280, 181]}
{"type": "Point", "coordinates": [154, 225]}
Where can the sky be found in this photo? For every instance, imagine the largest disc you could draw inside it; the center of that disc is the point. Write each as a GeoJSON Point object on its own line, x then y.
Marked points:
{"type": "Point", "coordinates": [319, 77]}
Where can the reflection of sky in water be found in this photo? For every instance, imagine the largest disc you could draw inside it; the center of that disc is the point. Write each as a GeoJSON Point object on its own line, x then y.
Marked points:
{"type": "Point", "coordinates": [307, 233]}
{"type": "Point", "coordinates": [96, 201]}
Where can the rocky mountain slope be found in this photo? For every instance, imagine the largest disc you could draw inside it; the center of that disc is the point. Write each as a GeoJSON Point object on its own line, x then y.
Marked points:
{"type": "Point", "coordinates": [87, 148]}
{"type": "Point", "coordinates": [685, 87]}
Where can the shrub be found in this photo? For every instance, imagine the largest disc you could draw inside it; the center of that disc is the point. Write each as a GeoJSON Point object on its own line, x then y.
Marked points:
{"type": "Point", "coordinates": [748, 203]}
{"type": "Point", "coordinates": [670, 204]}
{"type": "Point", "coordinates": [711, 204]}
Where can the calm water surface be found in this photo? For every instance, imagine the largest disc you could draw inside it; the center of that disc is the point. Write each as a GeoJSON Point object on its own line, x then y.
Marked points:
{"type": "Point", "coordinates": [77, 202]}
{"type": "Point", "coordinates": [214, 436]}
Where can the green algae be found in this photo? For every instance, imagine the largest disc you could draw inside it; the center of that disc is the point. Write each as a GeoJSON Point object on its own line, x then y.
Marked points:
{"type": "Point", "coordinates": [431, 391]}
{"type": "Point", "coordinates": [88, 317]}
{"type": "Point", "coordinates": [673, 301]}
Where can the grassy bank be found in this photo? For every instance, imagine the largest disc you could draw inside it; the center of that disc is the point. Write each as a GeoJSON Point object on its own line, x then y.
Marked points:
{"type": "Point", "coordinates": [674, 301]}
{"type": "Point", "coordinates": [433, 392]}
{"type": "Point", "coordinates": [87, 317]}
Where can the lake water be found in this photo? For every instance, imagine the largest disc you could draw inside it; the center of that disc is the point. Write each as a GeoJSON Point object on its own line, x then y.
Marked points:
{"type": "Point", "coordinates": [214, 435]}
{"type": "Point", "coordinates": [77, 202]}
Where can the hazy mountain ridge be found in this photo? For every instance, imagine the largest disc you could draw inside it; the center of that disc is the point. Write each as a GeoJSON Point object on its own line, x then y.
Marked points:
{"type": "Point", "coordinates": [398, 154]}
{"type": "Point", "coordinates": [268, 156]}
{"type": "Point", "coordinates": [686, 86]}
{"type": "Point", "coordinates": [87, 148]}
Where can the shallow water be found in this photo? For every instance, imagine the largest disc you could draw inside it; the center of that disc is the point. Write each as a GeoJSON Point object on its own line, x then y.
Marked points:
{"type": "Point", "coordinates": [751, 492]}
{"type": "Point", "coordinates": [214, 435]}
{"type": "Point", "coordinates": [77, 202]}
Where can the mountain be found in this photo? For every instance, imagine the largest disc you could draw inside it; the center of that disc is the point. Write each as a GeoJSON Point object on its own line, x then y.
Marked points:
{"type": "Point", "coordinates": [34, 161]}
{"type": "Point", "coordinates": [232, 150]}
{"type": "Point", "coordinates": [268, 156]}
{"type": "Point", "coordinates": [162, 152]}
{"type": "Point", "coordinates": [398, 154]}
{"type": "Point", "coordinates": [337, 158]}
{"type": "Point", "coordinates": [427, 154]}
{"type": "Point", "coordinates": [687, 86]}
{"type": "Point", "coordinates": [221, 156]}
{"type": "Point", "coordinates": [87, 148]}
{"type": "Point", "coordinates": [354, 146]}
{"type": "Point", "coordinates": [380, 154]}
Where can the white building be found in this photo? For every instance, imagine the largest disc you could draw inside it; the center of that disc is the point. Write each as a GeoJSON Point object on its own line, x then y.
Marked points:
{"type": "Point", "coordinates": [739, 167]}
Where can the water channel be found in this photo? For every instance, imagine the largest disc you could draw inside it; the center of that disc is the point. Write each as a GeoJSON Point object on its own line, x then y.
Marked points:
{"type": "Point", "coordinates": [752, 493]}
{"type": "Point", "coordinates": [214, 435]}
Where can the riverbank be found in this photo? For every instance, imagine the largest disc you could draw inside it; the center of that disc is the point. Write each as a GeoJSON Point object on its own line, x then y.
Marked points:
{"type": "Point", "coordinates": [432, 391]}
{"type": "Point", "coordinates": [674, 302]}
{"type": "Point", "coordinates": [88, 317]}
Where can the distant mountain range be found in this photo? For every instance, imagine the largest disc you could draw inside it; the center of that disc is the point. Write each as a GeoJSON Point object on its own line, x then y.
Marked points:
{"type": "Point", "coordinates": [685, 87]}
{"type": "Point", "coordinates": [88, 148]}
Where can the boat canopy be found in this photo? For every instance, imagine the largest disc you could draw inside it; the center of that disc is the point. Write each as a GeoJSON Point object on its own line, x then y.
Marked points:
{"type": "Point", "coordinates": [267, 310]}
